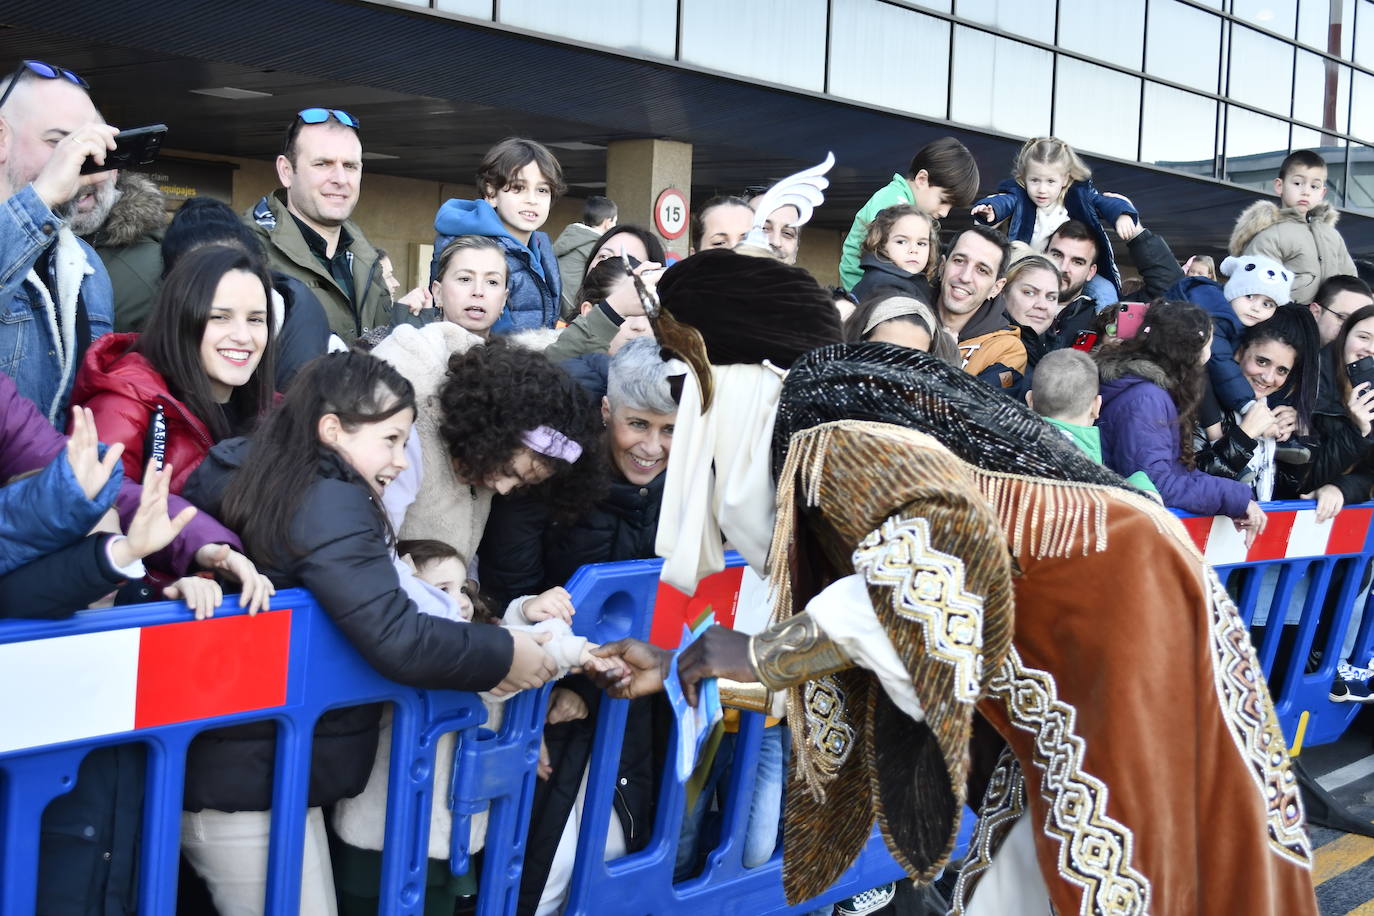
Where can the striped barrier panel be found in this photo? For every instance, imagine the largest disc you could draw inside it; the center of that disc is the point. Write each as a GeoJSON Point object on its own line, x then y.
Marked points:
{"type": "Point", "coordinates": [1299, 586]}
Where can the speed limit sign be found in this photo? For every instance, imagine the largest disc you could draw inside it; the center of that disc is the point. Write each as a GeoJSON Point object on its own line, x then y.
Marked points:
{"type": "Point", "coordinates": [670, 214]}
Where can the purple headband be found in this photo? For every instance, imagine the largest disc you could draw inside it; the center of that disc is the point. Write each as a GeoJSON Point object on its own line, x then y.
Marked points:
{"type": "Point", "coordinates": [550, 442]}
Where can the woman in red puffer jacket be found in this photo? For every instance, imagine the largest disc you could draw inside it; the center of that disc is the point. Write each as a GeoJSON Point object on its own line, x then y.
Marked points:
{"type": "Point", "coordinates": [200, 371]}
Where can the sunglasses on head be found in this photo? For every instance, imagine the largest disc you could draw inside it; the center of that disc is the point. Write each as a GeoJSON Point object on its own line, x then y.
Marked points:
{"type": "Point", "coordinates": [43, 71]}
{"type": "Point", "coordinates": [320, 115]}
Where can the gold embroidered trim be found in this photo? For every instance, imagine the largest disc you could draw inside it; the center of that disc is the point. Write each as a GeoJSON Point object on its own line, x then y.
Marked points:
{"type": "Point", "coordinates": [1250, 718]}
{"type": "Point", "coordinates": [927, 588]}
{"type": "Point", "coordinates": [1003, 803]}
{"type": "Point", "coordinates": [1095, 849]}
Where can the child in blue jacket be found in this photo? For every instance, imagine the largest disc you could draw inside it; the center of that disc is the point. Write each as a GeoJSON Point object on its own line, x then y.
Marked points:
{"type": "Point", "coordinates": [1051, 185]}
{"type": "Point", "coordinates": [1257, 286]}
{"type": "Point", "coordinates": [519, 180]}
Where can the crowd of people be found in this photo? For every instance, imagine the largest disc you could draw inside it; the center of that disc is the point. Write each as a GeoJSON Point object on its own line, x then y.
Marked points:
{"type": "Point", "coordinates": [434, 464]}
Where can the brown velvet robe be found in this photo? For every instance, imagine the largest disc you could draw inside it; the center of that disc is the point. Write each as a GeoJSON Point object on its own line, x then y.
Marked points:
{"type": "Point", "coordinates": [1142, 739]}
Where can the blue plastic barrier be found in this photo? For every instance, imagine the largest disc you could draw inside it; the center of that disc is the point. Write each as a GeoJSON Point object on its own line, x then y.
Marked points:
{"type": "Point", "coordinates": [1320, 568]}
{"type": "Point", "coordinates": [320, 671]}
{"type": "Point", "coordinates": [324, 672]}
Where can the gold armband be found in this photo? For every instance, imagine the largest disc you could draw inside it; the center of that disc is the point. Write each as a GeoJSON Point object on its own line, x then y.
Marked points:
{"type": "Point", "coordinates": [793, 651]}
{"type": "Point", "coordinates": [751, 697]}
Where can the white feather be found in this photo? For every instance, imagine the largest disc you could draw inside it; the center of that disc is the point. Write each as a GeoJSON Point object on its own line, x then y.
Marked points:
{"type": "Point", "coordinates": [805, 190]}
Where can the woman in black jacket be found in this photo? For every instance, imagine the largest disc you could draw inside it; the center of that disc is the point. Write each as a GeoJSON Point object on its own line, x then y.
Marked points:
{"type": "Point", "coordinates": [1341, 470]}
{"type": "Point", "coordinates": [524, 552]}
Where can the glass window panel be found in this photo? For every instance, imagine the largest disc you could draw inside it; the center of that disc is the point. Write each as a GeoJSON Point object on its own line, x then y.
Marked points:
{"type": "Point", "coordinates": [647, 27]}
{"type": "Point", "coordinates": [1112, 31]}
{"type": "Point", "coordinates": [1180, 130]}
{"type": "Point", "coordinates": [1321, 92]}
{"type": "Point", "coordinates": [1096, 109]}
{"type": "Point", "coordinates": [1012, 94]}
{"type": "Point", "coordinates": [939, 6]}
{"type": "Point", "coordinates": [1362, 107]}
{"type": "Point", "coordinates": [1269, 86]}
{"type": "Point", "coordinates": [1255, 147]}
{"type": "Point", "coordinates": [1195, 62]}
{"type": "Point", "coordinates": [1360, 193]}
{"type": "Point", "coordinates": [871, 59]}
{"type": "Point", "coordinates": [779, 41]}
{"type": "Point", "coordinates": [1364, 35]}
{"type": "Point", "coordinates": [476, 9]}
{"type": "Point", "coordinates": [1025, 18]}
{"type": "Point", "coordinates": [1275, 15]}
{"type": "Point", "coordinates": [1314, 23]}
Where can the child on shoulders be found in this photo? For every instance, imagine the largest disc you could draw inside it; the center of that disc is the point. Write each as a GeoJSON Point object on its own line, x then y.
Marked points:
{"type": "Point", "coordinates": [1300, 231]}
{"type": "Point", "coordinates": [943, 174]}
{"type": "Point", "coordinates": [518, 181]}
{"type": "Point", "coordinates": [1051, 185]}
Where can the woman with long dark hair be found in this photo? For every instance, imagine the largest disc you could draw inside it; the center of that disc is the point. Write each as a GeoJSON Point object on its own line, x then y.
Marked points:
{"type": "Point", "coordinates": [201, 370]}
{"type": "Point", "coordinates": [1278, 359]}
{"type": "Point", "coordinates": [1151, 387]}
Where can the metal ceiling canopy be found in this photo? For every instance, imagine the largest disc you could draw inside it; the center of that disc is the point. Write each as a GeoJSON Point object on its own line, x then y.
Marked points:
{"type": "Point", "coordinates": [435, 92]}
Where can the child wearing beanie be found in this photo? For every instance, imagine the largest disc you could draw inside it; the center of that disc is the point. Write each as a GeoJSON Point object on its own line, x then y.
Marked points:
{"type": "Point", "coordinates": [1255, 287]}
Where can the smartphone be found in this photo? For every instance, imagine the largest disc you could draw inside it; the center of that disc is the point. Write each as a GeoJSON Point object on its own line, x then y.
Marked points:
{"type": "Point", "coordinates": [1360, 371]}
{"type": "Point", "coordinates": [133, 148]}
{"type": "Point", "coordinates": [1129, 317]}
{"type": "Point", "coordinates": [1085, 341]}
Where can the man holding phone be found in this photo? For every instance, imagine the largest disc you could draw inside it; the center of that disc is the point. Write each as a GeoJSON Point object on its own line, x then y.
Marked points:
{"type": "Point", "coordinates": [55, 296]}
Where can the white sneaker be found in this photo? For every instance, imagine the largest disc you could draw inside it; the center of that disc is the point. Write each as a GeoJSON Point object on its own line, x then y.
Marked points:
{"type": "Point", "coordinates": [867, 902]}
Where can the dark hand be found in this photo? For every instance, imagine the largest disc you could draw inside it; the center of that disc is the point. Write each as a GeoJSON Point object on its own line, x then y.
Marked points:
{"type": "Point", "coordinates": [641, 670]}
{"type": "Point", "coordinates": [717, 653]}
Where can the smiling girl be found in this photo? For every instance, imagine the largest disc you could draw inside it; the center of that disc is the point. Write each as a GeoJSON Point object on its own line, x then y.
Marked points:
{"type": "Point", "coordinates": [200, 371]}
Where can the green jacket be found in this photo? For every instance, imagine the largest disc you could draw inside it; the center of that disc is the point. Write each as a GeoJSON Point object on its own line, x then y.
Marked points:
{"type": "Point", "coordinates": [898, 191]}
{"type": "Point", "coordinates": [288, 252]}
{"type": "Point", "coordinates": [130, 245]}
{"type": "Point", "coordinates": [589, 333]}
{"type": "Point", "coordinates": [1089, 439]}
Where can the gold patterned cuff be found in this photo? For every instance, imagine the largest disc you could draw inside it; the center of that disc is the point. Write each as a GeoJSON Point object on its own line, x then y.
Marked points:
{"type": "Point", "coordinates": [751, 697]}
{"type": "Point", "coordinates": [793, 651]}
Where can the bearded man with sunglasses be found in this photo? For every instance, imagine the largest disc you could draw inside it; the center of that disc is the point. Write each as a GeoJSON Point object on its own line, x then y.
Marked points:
{"type": "Point", "coordinates": [306, 225]}
{"type": "Point", "coordinates": [55, 296]}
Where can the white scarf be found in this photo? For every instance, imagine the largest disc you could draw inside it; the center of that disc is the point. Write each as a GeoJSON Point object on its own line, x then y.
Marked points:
{"type": "Point", "coordinates": [720, 480]}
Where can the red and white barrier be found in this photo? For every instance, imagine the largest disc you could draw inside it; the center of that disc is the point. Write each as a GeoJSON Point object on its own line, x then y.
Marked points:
{"type": "Point", "coordinates": [1287, 536]}
{"type": "Point", "coordinates": [83, 686]}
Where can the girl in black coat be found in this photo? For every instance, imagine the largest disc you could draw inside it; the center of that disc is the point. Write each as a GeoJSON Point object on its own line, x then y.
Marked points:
{"type": "Point", "coordinates": [305, 494]}
{"type": "Point", "coordinates": [899, 253]}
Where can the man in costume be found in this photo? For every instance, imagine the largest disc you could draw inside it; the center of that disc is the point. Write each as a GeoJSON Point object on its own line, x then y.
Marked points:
{"type": "Point", "coordinates": [963, 598]}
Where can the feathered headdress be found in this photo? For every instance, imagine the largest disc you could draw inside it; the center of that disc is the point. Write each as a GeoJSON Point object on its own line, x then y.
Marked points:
{"type": "Point", "coordinates": [805, 190]}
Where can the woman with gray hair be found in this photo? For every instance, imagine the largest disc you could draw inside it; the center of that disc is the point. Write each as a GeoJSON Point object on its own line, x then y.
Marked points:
{"type": "Point", "coordinates": [524, 551]}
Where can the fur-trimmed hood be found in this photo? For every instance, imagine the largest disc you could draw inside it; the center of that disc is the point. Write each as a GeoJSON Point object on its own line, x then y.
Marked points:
{"type": "Point", "coordinates": [1262, 214]}
{"type": "Point", "coordinates": [1114, 366]}
{"type": "Point", "coordinates": [139, 211]}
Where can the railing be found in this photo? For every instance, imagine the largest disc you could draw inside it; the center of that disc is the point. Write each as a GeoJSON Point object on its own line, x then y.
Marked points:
{"type": "Point", "coordinates": [150, 676]}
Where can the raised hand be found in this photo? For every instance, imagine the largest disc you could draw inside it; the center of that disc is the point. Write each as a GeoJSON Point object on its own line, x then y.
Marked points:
{"type": "Point", "coordinates": [61, 177]}
{"type": "Point", "coordinates": [83, 454]}
{"type": "Point", "coordinates": [150, 530]}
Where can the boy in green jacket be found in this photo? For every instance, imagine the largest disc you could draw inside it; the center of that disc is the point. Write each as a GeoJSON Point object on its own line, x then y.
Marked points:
{"type": "Point", "coordinates": [943, 174]}
{"type": "Point", "coordinates": [1064, 391]}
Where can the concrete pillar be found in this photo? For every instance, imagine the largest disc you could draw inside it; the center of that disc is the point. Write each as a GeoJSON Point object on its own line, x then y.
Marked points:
{"type": "Point", "coordinates": [637, 171]}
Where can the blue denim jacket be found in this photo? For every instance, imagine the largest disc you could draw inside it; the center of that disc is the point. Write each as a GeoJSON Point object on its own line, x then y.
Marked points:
{"type": "Point", "coordinates": [28, 349]}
